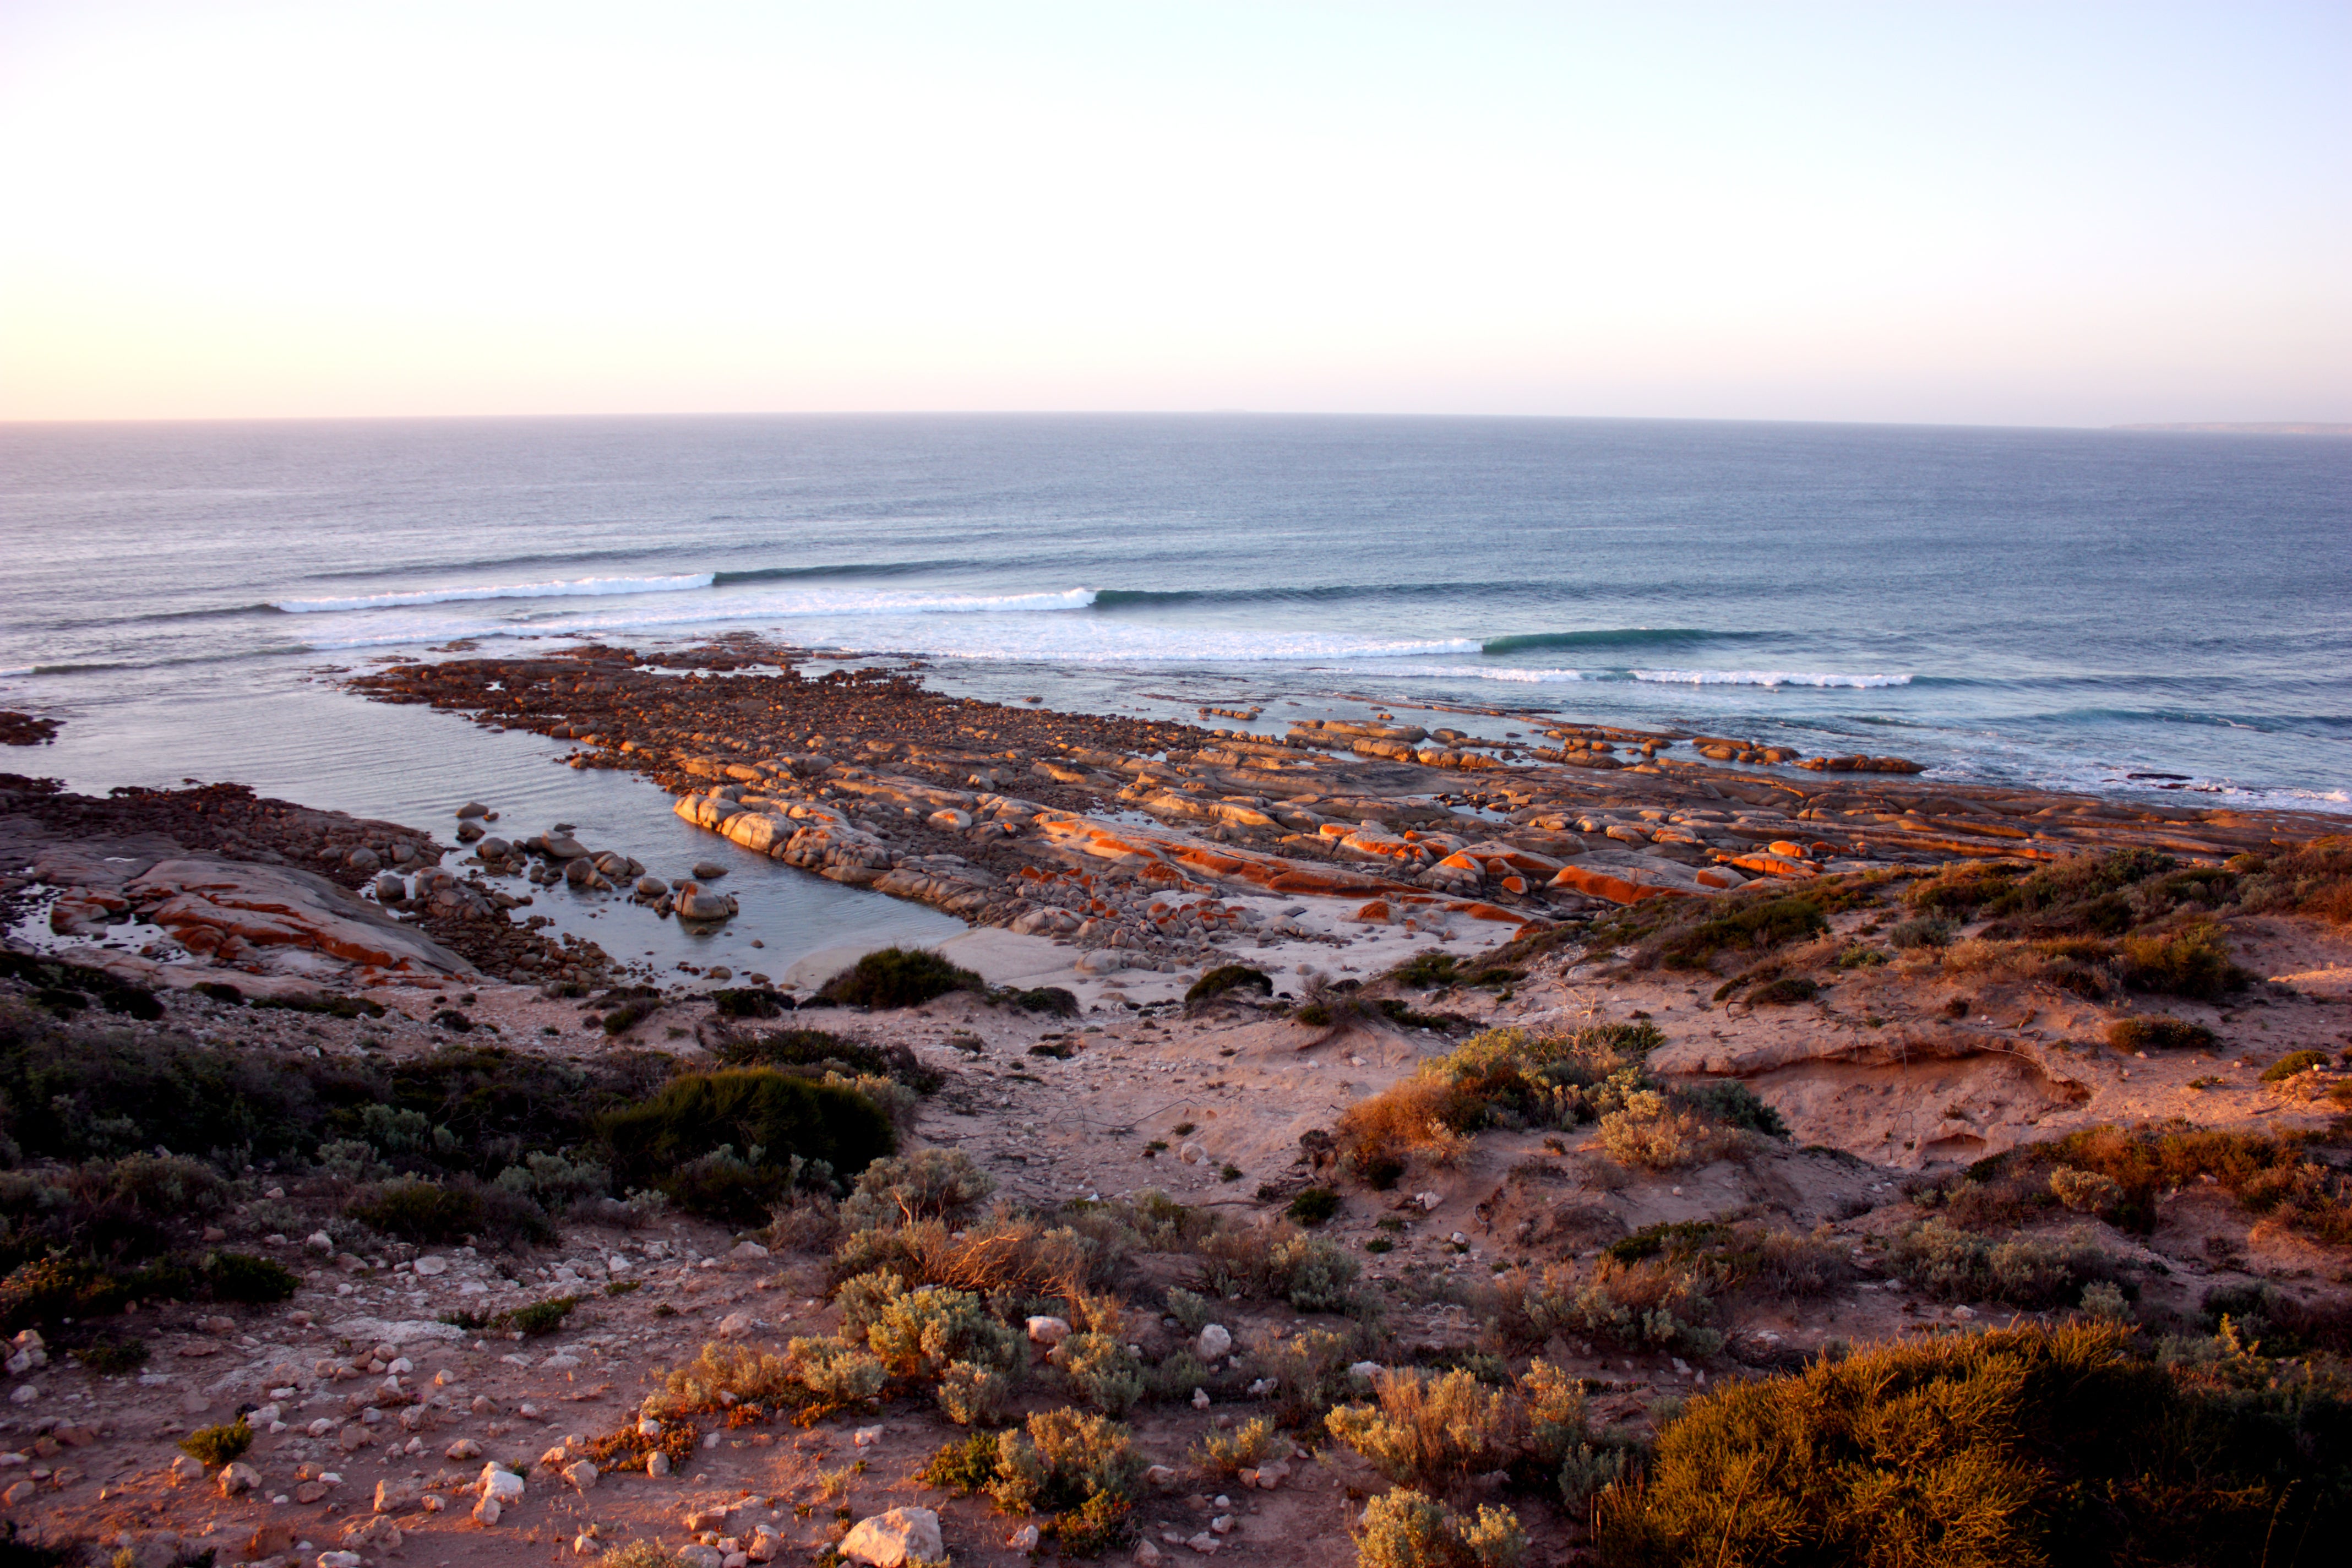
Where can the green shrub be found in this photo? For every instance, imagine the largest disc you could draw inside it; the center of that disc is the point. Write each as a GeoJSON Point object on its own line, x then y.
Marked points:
{"type": "Point", "coordinates": [1228, 977]}
{"type": "Point", "coordinates": [2027, 1445]}
{"type": "Point", "coordinates": [820, 1052]}
{"type": "Point", "coordinates": [1051, 1000]}
{"type": "Point", "coordinates": [1314, 1206]}
{"type": "Point", "coordinates": [539, 1318]}
{"type": "Point", "coordinates": [419, 1210]}
{"type": "Point", "coordinates": [2192, 961]}
{"type": "Point", "coordinates": [1279, 1263]}
{"type": "Point", "coordinates": [1062, 1458]}
{"type": "Point", "coordinates": [1408, 1529]}
{"type": "Point", "coordinates": [2161, 1033]}
{"type": "Point", "coordinates": [899, 977]}
{"type": "Point", "coordinates": [962, 1467]}
{"type": "Point", "coordinates": [1731, 1103]}
{"type": "Point", "coordinates": [213, 1447]}
{"type": "Point", "coordinates": [2292, 1064]}
{"type": "Point", "coordinates": [1432, 1429]}
{"type": "Point", "coordinates": [773, 1116]}
{"type": "Point", "coordinates": [65, 987]}
{"type": "Point", "coordinates": [1249, 1445]}
{"type": "Point", "coordinates": [750, 1002]}
{"type": "Point", "coordinates": [1956, 1266]}
{"type": "Point", "coordinates": [241, 1276]}
{"type": "Point", "coordinates": [928, 1184]}
{"type": "Point", "coordinates": [1748, 926]}
{"type": "Point", "coordinates": [1654, 1135]}
{"type": "Point", "coordinates": [1928, 931]}
{"type": "Point", "coordinates": [113, 1356]}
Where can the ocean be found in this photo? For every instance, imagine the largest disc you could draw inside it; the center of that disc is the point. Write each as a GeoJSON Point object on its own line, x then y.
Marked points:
{"type": "Point", "coordinates": [2118, 612]}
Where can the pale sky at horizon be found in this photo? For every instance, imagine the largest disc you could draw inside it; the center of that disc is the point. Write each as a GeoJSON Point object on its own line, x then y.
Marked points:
{"type": "Point", "coordinates": [1982, 214]}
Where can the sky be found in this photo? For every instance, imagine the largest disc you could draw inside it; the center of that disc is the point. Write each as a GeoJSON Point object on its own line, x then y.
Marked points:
{"type": "Point", "coordinates": [2044, 214]}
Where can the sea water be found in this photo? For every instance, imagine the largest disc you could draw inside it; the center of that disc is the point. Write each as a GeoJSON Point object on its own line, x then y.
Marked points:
{"type": "Point", "coordinates": [2123, 612]}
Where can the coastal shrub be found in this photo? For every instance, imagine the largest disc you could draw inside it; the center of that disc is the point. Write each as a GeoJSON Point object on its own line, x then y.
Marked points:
{"type": "Point", "coordinates": [2192, 961]}
{"type": "Point", "coordinates": [928, 1184]}
{"type": "Point", "coordinates": [1106, 1374]}
{"type": "Point", "coordinates": [1784, 992]}
{"type": "Point", "coordinates": [113, 1355]}
{"type": "Point", "coordinates": [750, 1002]}
{"type": "Point", "coordinates": [1649, 1132]}
{"type": "Point", "coordinates": [1407, 1529]}
{"type": "Point", "coordinates": [1017, 1255]}
{"type": "Point", "coordinates": [1962, 888]}
{"type": "Point", "coordinates": [2292, 1064]}
{"type": "Point", "coordinates": [1432, 1429]}
{"type": "Point", "coordinates": [213, 1447]}
{"type": "Point", "coordinates": [899, 977]}
{"type": "Point", "coordinates": [419, 1210]}
{"type": "Point", "coordinates": [1729, 1103]}
{"type": "Point", "coordinates": [2315, 878]}
{"type": "Point", "coordinates": [1079, 1469]}
{"type": "Point", "coordinates": [1228, 977]}
{"type": "Point", "coordinates": [2161, 1034]}
{"type": "Point", "coordinates": [554, 1182]}
{"type": "Point", "coordinates": [2086, 1191]}
{"type": "Point", "coordinates": [1252, 1444]}
{"type": "Point", "coordinates": [241, 1276]}
{"type": "Point", "coordinates": [1928, 930]}
{"type": "Point", "coordinates": [1053, 1001]}
{"type": "Point", "coordinates": [2053, 1445]}
{"type": "Point", "coordinates": [1313, 1206]}
{"type": "Point", "coordinates": [820, 1052]}
{"type": "Point", "coordinates": [66, 987]}
{"type": "Point", "coordinates": [1954, 1265]}
{"type": "Point", "coordinates": [773, 1116]}
{"type": "Point", "coordinates": [1748, 926]}
{"type": "Point", "coordinates": [1279, 1262]}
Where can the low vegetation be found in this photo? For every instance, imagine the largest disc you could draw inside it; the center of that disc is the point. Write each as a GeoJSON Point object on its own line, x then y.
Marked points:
{"type": "Point", "coordinates": [897, 977]}
{"type": "Point", "coordinates": [2012, 1446]}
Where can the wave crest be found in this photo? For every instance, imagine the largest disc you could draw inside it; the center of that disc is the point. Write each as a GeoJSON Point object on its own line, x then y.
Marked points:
{"type": "Point", "coordinates": [1768, 678]}
{"type": "Point", "coordinates": [582, 587]}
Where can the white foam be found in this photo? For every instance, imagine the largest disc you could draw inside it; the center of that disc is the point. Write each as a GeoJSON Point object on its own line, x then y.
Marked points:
{"type": "Point", "coordinates": [1483, 672]}
{"type": "Point", "coordinates": [1768, 678]}
{"type": "Point", "coordinates": [578, 588]}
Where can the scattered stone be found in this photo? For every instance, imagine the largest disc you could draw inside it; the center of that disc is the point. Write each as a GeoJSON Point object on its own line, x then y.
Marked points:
{"type": "Point", "coordinates": [1215, 1343]}
{"type": "Point", "coordinates": [1048, 1332]}
{"type": "Point", "coordinates": [236, 1477]}
{"type": "Point", "coordinates": [890, 1540]}
{"type": "Point", "coordinates": [487, 1511]}
{"type": "Point", "coordinates": [463, 1449]}
{"type": "Point", "coordinates": [656, 1464]}
{"type": "Point", "coordinates": [580, 1477]}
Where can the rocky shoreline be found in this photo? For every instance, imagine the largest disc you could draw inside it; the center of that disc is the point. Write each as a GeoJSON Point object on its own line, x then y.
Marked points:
{"type": "Point", "coordinates": [1154, 838]}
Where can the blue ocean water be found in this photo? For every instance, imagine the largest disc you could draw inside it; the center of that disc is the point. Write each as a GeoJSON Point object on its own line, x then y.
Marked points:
{"type": "Point", "coordinates": [2068, 608]}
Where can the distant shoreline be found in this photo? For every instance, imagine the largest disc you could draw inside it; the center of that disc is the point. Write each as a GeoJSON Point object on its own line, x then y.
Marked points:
{"type": "Point", "coordinates": [2222, 428]}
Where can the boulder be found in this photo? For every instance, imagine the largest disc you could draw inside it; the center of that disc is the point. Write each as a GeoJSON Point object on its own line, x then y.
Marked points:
{"type": "Point", "coordinates": [890, 1540]}
{"type": "Point", "coordinates": [1216, 1342]}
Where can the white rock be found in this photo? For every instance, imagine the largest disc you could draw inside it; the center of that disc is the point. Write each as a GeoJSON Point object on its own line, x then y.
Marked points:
{"type": "Point", "coordinates": [1149, 1555]}
{"type": "Point", "coordinates": [1429, 1201]}
{"type": "Point", "coordinates": [319, 1241]}
{"type": "Point", "coordinates": [658, 1465]}
{"type": "Point", "coordinates": [237, 1477]}
{"type": "Point", "coordinates": [429, 1267]}
{"type": "Point", "coordinates": [1214, 1342]}
{"type": "Point", "coordinates": [24, 1394]}
{"type": "Point", "coordinates": [1222, 1525]}
{"type": "Point", "coordinates": [579, 1477]}
{"type": "Point", "coordinates": [487, 1511]}
{"type": "Point", "coordinates": [748, 1252]}
{"type": "Point", "coordinates": [1025, 1539]}
{"type": "Point", "coordinates": [1206, 1545]}
{"type": "Point", "coordinates": [1192, 1153]}
{"type": "Point", "coordinates": [339, 1560]}
{"type": "Point", "coordinates": [700, 1557]}
{"type": "Point", "coordinates": [1200, 1399]}
{"type": "Point", "coordinates": [503, 1485]}
{"type": "Point", "coordinates": [1160, 1476]}
{"type": "Point", "coordinates": [1048, 1332]}
{"type": "Point", "coordinates": [1364, 1369]}
{"type": "Point", "coordinates": [889, 1540]}
{"type": "Point", "coordinates": [734, 1325]}
{"type": "Point", "coordinates": [865, 1436]}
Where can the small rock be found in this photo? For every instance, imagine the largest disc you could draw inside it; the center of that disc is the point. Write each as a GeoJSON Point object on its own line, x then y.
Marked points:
{"type": "Point", "coordinates": [1206, 1545]}
{"type": "Point", "coordinates": [1160, 1476]}
{"type": "Point", "coordinates": [1025, 1539]}
{"type": "Point", "coordinates": [734, 1325]}
{"type": "Point", "coordinates": [1215, 1343]}
{"type": "Point", "coordinates": [1192, 1153]}
{"type": "Point", "coordinates": [1222, 1525]}
{"type": "Point", "coordinates": [1429, 1201]}
{"type": "Point", "coordinates": [1200, 1399]}
{"type": "Point", "coordinates": [392, 1496]}
{"type": "Point", "coordinates": [487, 1511]}
{"type": "Point", "coordinates": [374, 1531]}
{"type": "Point", "coordinates": [237, 1477]}
{"type": "Point", "coordinates": [183, 1469]}
{"type": "Point", "coordinates": [1149, 1555]}
{"type": "Point", "coordinates": [1366, 1370]}
{"type": "Point", "coordinates": [310, 1492]}
{"type": "Point", "coordinates": [866, 1436]}
{"type": "Point", "coordinates": [463, 1449]}
{"type": "Point", "coordinates": [890, 1540]}
{"type": "Point", "coordinates": [1048, 1332]}
{"type": "Point", "coordinates": [700, 1557]}
{"type": "Point", "coordinates": [658, 1465]}
{"type": "Point", "coordinates": [344, 1559]}
{"type": "Point", "coordinates": [707, 869]}
{"type": "Point", "coordinates": [503, 1485]}
{"type": "Point", "coordinates": [581, 1478]}
{"type": "Point", "coordinates": [426, 1267]}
